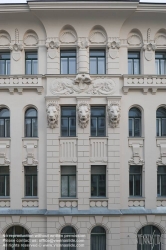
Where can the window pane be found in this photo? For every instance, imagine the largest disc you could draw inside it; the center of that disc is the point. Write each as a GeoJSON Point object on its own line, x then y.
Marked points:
{"type": "Point", "coordinates": [7, 185]}
{"type": "Point", "coordinates": [133, 55]}
{"type": "Point", "coordinates": [164, 127]}
{"type": "Point", "coordinates": [34, 67]}
{"type": "Point", "coordinates": [7, 128]}
{"type": "Point", "coordinates": [137, 185]}
{"type": "Point", "coordinates": [28, 185]}
{"type": "Point", "coordinates": [28, 67]}
{"type": "Point", "coordinates": [163, 185]}
{"type": "Point", "coordinates": [157, 127]}
{"type": "Point", "coordinates": [98, 111]}
{"type": "Point", "coordinates": [34, 127]}
{"type": "Point", "coordinates": [102, 185]}
{"type": "Point", "coordinates": [34, 185]}
{"type": "Point", "coordinates": [68, 53]}
{"type": "Point", "coordinates": [68, 111]}
{"type": "Point", "coordinates": [72, 186]}
{"type": "Point", "coordinates": [158, 185]}
{"type": "Point", "coordinates": [137, 127]}
{"type": "Point", "coordinates": [2, 67]}
{"type": "Point", "coordinates": [97, 53]}
{"type": "Point", "coordinates": [28, 127]}
{"type": "Point", "coordinates": [2, 185]}
{"type": "Point", "coordinates": [162, 65]}
{"type": "Point", "coordinates": [101, 127]}
{"type": "Point", "coordinates": [135, 169]}
{"type": "Point", "coordinates": [31, 55]}
{"type": "Point", "coordinates": [93, 126]}
{"type": "Point", "coordinates": [7, 67]}
{"type": "Point", "coordinates": [131, 185]}
{"type": "Point", "coordinates": [136, 66]}
{"type": "Point", "coordinates": [31, 113]}
{"type": "Point", "coordinates": [72, 65]}
{"type": "Point", "coordinates": [64, 186]}
{"type": "Point", "coordinates": [72, 126]}
{"type": "Point", "coordinates": [130, 67]}
{"type": "Point", "coordinates": [130, 127]}
{"type": "Point", "coordinates": [64, 126]}
{"type": "Point", "coordinates": [64, 66]}
{"type": "Point", "coordinates": [94, 179]}
{"type": "Point", "coordinates": [101, 65]}
{"type": "Point", "coordinates": [93, 65]}
{"type": "Point", "coordinates": [162, 169]}
{"type": "Point", "coordinates": [157, 64]}
{"type": "Point", "coordinates": [2, 128]}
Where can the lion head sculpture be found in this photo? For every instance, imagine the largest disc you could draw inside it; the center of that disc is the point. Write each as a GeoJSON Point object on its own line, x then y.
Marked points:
{"type": "Point", "coordinates": [83, 110]}
{"type": "Point", "coordinates": [113, 114]}
{"type": "Point", "coordinates": [52, 114]}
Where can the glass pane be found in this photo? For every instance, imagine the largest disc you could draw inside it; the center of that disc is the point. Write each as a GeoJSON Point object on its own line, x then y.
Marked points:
{"type": "Point", "coordinates": [31, 170]}
{"type": "Point", "coordinates": [4, 170]}
{"type": "Point", "coordinates": [28, 185]}
{"type": "Point", "coordinates": [98, 111]}
{"type": "Point", "coordinates": [134, 113]}
{"type": "Point", "coordinates": [101, 65]}
{"type": "Point", "coordinates": [131, 185]}
{"type": "Point", "coordinates": [162, 169]}
{"type": "Point", "coordinates": [34, 67]}
{"type": "Point", "coordinates": [64, 186]}
{"type": "Point", "coordinates": [31, 113]}
{"type": "Point", "coordinates": [94, 126]}
{"type": "Point", "coordinates": [2, 128]}
{"type": "Point", "coordinates": [68, 111]}
{"type": "Point", "coordinates": [68, 170]}
{"type": "Point", "coordinates": [93, 65]}
{"type": "Point", "coordinates": [28, 67]}
{"type": "Point", "coordinates": [31, 55]}
{"type": "Point", "coordinates": [5, 56]}
{"type": "Point", "coordinates": [162, 67]}
{"type": "Point", "coordinates": [157, 64]}
{"type": "Point", "coordinates": [64, 127]}
{"type": "Point", "coordinates": [72, 186]}
{"type": "Point", "coordinates": [68, 53]}
{"type": "Point", "coordinates": [98, 170]}
{"type": "Point", "coordinates": [34, 185]}
{"type": "Point", "coordinates": [2, 185]}
{"type": "Point", "coordinates": [34, 127]}
{"type": "Point", "coordinates": [7, 185]}
{"type": "Point", "coordinates": [101, 127]}
{"type": "Point", "coordinates": [2, 67]}
{"type": "Point", "coordinates": [136, 67]}
{"type": "Point", "coordinates": [102, 185]}
{"type": "Point", "coordinates": [64, 66]}
{"type": "Point", "coordinates": [158, 185]}
{"type": "Point", "coordinates": [130, 127]}
{"type": "Point", "coordinates": [133, 55]}
{"type": "Point", "coordinates": [157, 127]}
{"type": "Point", "coordinates": [28, 127]}
{"type": "Point", "coordinates": [7, 128]}
{"type": "Point", "coordinates": [137, 127]}
{"type": "Point", "coordinates": [130, 67]}
{"type": "Point", "coordinates": [161, 113]}
{"type": "Point", "coordinates": [94, 187]}
{"type": "Point", "coordinates": [135, 169]}
{"type": "Point", "coordinates": [72, 126]}
{"type": "Point", "coordinates": [98, 242]}
{"type": "Point", "coordinates": [72, 65]}
{"type": "Point", "coordinates": [163, 185]}
{"type": "Point", "coordinates": [8, 67]}
{"type": "Point", "coordinates": [163, 127]}
{"type": "Point", "coordinates": [97, 53]}
{"type": "Point", "coordinates": [137, 185]}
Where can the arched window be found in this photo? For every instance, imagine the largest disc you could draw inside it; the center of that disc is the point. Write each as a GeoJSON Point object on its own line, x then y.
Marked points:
{"type": "Point", "coordinates": [31, 123]}
{"type": "Point", "coordinates": [4, 122]}
{"type": "Point", "coordinates": [98, 238]}
{"type": "Point", "coordinates": [134, 122]}
{"type": "Point", "coordinates": [68, 238]}
{"type": "Point", "coordinates": [161, 122]}
{"type": "Point", "coordinates": [149, 238]}
{"type": "Point", "coordinates": [19, 236]}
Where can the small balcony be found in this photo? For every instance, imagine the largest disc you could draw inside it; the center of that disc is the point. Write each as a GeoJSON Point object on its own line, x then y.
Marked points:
{"type": "Point", "coordinates": [144, 83]}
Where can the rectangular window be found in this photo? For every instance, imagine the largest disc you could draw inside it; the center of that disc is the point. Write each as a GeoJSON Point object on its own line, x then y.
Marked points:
{"type": "Point", "coordinates": [97, 62]}
{"type": "Point", "coordinates": [160, 63]}
{"type": "Point", "coordinates": [31, 63]}
{"type": "Point", "coordinates": [30, 181]}
{"type": "Point", "coordinates": [133, 63]}
{"type": "Point", "coordinates": [4, 181]}
{"type": "Point", "coordinates": [98, 121]}
{"type": "Point", "coordinates": [135, 181]}
{"type": "Point", "coordinates": [68, 181]}
{"type": "Point", "coordinates": [4, 63]}
{"type": "Point", "coordinates": [68, 121]}
{"type": "Point", "coordinates": [98, 181]}
{"type": "Point", "coordinates": [161, 181]}
{"type": "Point", "coordinates": [68, 61]}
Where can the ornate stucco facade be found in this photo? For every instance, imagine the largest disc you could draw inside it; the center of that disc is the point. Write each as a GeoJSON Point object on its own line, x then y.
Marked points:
{"type": "Point", "coordinates": [116, 27]}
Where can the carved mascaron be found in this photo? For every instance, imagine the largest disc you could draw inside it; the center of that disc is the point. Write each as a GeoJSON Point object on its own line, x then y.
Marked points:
{"type": "Point", "coordinates": [113, 114]}
{"type": "Point", "coordinates": [83, 110]}
{"type": "Point", "coordinates": [52, 114]}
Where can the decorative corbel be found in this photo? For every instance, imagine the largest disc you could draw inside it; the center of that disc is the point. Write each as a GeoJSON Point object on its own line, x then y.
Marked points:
{"type": "Point", "coordinates": [162, 159]}
{"type": "Point", "coordinates": [52, 45]}
{"type": "Point", "coordinates": [3, 159]}
{"type": "Point", "coordinates": [136, 158]}
{"type": "Point", "coordinates": [30, 159]}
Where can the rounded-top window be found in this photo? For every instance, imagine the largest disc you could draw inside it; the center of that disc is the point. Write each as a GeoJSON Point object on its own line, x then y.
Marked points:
{"type": "Point", "coordinates": [161, 122]}
{"type": "Point", "coordinates": [19, 236]}
{"type": "Point", "coordinates": [68, 238]}
{"type": "Point", "coordinates": [31, 123]}
{"type": "Point", "coordinates": [134, 122]}
{"type": "Point", "coordinates": [149, 238]}
{"type": "Point", "coordinates": [98, 238]}
{"type": "Point", "coordinates": [4, 122]}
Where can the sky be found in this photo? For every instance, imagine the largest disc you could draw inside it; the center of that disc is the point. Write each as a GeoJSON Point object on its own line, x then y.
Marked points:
{"type": "Point", "coordinates": [24, 1]}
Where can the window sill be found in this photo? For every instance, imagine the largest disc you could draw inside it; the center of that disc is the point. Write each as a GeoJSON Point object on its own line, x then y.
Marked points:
{"type": "Point", "coordinates": [68, 138]}
{"type": "Point", "coordinates": [30, 198]}
{"type": "Point", "coordinates": [98, 137]}
{"type": "Point", "coordinates": [161, 198]}
{"type": "Point", "coordinates": [98, 198]}
{"type": "Point", "coordinates": [137, 138]}
{"type": "Point", "coordinates": [161, 137]}
{"type": "Point", "coordinates": [136, 198]}
{"type": "Point", "coordinates": [5, 138]}
{"type": "Point", "coordinates": [30, 138]}
{"type": "Point", "coordinates": [4, 197]}
{"type": "Point", "coordinates": [70, 198]}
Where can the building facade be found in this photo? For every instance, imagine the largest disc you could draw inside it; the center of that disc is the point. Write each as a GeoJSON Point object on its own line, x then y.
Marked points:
{"type": "Point", "coordinates": [83, 124]}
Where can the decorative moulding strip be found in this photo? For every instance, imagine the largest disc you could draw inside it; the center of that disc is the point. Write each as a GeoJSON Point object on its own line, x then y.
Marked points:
{"type": "Point", "coordinates": [136, 203]}
{"type": "Point", "coordinates": [4, 203]}
{"type": "Point", "coordinates": [68, 203]}
{"type": "Point", "coordinates": [98, 202]}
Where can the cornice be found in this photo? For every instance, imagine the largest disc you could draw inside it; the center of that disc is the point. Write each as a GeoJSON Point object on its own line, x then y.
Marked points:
{"type": "Point", "coordinates": [143, 7]}
{"type": "Point", "coordinates": [6, 8]}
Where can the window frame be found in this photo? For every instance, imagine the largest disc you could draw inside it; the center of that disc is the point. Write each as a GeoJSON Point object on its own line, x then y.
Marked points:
{"type": "Point", "coordinates": [5, 175]}
{"type": "Point", "coordinates": [5, 119]}
{"type": "Point", "coordinates": [6, 60]}
{"type": "Point", "coordinates": [31, 62]}
{"type": "Point", "coordinates": [68, 57]}
{"type": "Point", "coordinates": [133, 61]}
{"type": "Point", "coordinates": [160, 176]}
{"type": "Point", "coordinates": [31, 118]}
{"type": "Point", "coordinates": [97, 117]}
{"type": "Point", "coordinates": [133, 119]}
{"type": "Point", "coordinates": [32, 175]}
{"type": "Point", "coordinates": [68, 122]}
{"type": "Point", "coordinates": [133, 181]}
{"type": "Point", "coordinates": [92, 235]}
{"type": "Point", "coordinates": [158, 69]}
{"type": "Point", "coordinates": [68, 190]}
{"type": "Point", "coordinates": [68, 233]}
{"type": "Point", "coordinates": [97, 186]}
{"type": "Point", "coordinates": [97, 61]}
{"type": "Point", "coordinates": [159, 126]}
{"type": "Point", "coordinates": [15, 237]}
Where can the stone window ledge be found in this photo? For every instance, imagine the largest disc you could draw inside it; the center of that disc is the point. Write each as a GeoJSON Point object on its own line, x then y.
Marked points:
{"type": "Point", "coordinates": [30, 138]}
{"type": "Point", "coordinates": [161, 198]}
{"type": "Point", "coordinates": [136, 198]}
{"type": "Point", "coordinates": [65, 199]}
{"type": "Point", "coordinates": [68, 138]}
{"type": "Point", "coordinates": [30, 198]}
{"type": "Point", "coordinates": [98, 137]}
